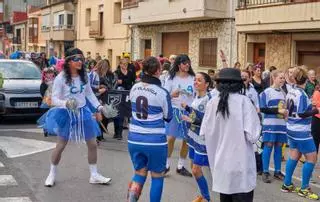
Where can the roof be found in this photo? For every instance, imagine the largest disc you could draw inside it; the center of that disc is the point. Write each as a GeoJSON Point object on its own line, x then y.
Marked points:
{"type": "Point", "coordinates": [18, 17]}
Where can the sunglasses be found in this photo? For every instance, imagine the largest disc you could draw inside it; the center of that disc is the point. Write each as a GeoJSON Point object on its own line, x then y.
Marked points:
{"type": "Point", "coordinates": [186, 63]}
{"type": "Point", "coordinates": [77, 59]}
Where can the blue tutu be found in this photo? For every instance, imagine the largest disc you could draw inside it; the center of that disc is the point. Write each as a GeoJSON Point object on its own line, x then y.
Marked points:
{"type": "Point", "coordinates": [70, 126]}
{"type": "Point", "coordinates": [176, 127]}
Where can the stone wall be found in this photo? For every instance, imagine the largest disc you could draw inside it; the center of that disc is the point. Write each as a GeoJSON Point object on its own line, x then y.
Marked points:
{"type": "Point", "coordinates": [224, 30]}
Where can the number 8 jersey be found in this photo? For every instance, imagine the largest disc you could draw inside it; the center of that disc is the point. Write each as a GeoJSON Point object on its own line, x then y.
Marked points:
{"type": "Point", "coordinates": [151, 107]}
{"type": "Point", "coordinates": [298, 103]}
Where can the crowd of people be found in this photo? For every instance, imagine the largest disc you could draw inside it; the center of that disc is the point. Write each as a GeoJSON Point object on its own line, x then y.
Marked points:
{"type": "Point", "coordinates": [260, 110]}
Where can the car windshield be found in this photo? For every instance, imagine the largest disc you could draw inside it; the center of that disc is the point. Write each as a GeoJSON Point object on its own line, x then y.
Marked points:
{"type": "Point", "coordinates": [19, 70]}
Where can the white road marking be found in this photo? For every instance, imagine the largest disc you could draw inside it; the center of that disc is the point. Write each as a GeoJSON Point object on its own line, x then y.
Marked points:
{"type": "Point", "coordinates": [7, 180]}
{"type": "Point", "coordinates": [26, 130]}
{"type": "Point", "coordinates": [1, 165]}
{"type": "Point", "coordinates": [17, 147]}
{"type": "Point", "coordinates": [15, 199]}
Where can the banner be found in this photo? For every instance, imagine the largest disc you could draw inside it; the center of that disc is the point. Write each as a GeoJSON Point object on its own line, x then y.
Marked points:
{"type": "Point", "coordinates": [120, 100]}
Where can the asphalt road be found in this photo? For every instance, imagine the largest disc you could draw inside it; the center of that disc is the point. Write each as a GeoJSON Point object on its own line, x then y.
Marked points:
{"type": "Point", "coordinates": [25, 157]}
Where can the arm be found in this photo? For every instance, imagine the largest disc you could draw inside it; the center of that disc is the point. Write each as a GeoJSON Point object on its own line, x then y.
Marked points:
{"type": "Point", "coordinates": [264, 107]}
{"type": "Point", "coordinates": [223, 59]}
{"type": "Point", "coordinates": [251, 125]}
{"type": "Point", "coordinates": [303, 108]}
{"type": "Point", "coordinates": [57, 92]}
{"type": "Point", "coordinates": [167, 108]}
{"type": "Point", "coordinates": [43, 88]}
{"type": "Point", "coordinates": [307, 114]}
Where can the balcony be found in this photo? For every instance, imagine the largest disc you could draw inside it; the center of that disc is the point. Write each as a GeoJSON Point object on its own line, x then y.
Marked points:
{"type": "Point", "coordinates": [94, 31]}
{"type": "Point", "coordinates": [263, 16]}
{"type": "Point", "coordinates": [63, 33]}
{"type": "Point", "coordinates": [33, 39]}
{"type": "Point", "coordinates": [16, 40]}
{"type": "Point", "coordinates": [137, 12]}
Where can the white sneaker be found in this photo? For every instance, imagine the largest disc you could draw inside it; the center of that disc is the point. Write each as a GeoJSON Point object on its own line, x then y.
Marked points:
{"type": "Point", "coordinates": [99, 179]}
{"type": "Point", "coordinates": [50, 180]}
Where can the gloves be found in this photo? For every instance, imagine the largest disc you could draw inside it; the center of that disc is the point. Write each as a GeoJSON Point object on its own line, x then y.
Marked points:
{"type": "Point", "coordinates": [72, 105]}
{"type": "Point", "coordinates": [108, 111]}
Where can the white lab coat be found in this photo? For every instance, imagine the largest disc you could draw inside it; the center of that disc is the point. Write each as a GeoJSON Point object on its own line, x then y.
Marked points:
{"type": "Point", "coordinates": [229, 144]}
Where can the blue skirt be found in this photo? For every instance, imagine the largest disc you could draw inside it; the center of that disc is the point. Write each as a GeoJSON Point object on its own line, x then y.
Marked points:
{"type": "Point", "coordinates": [70, 126]}
{"type": "Point", "coordinates": [176, 127]}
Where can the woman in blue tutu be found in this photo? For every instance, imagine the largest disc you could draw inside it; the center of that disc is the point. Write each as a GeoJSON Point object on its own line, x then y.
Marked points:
{"type": "Point", "coordinates": [70, 118]}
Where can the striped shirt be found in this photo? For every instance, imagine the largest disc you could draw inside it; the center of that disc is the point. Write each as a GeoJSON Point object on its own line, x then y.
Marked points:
{"type": "Point", "coordinates": [151, 106]}
{"type": "Point", "coordinates": [298, 103]}
{"type": "Point", "coordinates": [273, 123]}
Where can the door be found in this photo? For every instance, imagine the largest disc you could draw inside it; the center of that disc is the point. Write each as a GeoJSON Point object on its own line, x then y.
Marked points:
{"type": "Point", "coordinates": [147, 48]}
{"type": "Point", "coordinates": [310, 59]}
{"type": "Point", "coordinates": [175, 43]}
{"type": "Point", "coordinates": [259, 53]}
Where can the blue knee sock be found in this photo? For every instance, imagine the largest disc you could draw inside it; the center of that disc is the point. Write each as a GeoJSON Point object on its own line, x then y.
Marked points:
{"type": "Point", "coordinates": [156, 189]}
{"type": "Point", "coordinates": [277, 158]}
{"type": "Point", "coordinates": [139, 179]}
{"type": "Point", "coordinates": [307, 170]}
{"type": "Point", "coordinates": [203, 186]}
{"type": "Point", "coordinates": [290, 166]}
{"type": "Point", "coordinates": [266, 158]}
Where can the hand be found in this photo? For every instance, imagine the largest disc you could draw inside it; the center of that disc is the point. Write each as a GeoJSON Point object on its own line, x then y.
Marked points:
{"type": "Point", "coordinates": [175, 93]}
{"type": "Point", "coordinates": [282, 111]}
{"type": "Point", "coordinates": [102, 90]}
{"type": "Point", "coordinates": [186, 118]}
{"type": "Point", "coordinates": [184, 105]}
{"type": "Point", "coordinates": [98, 116]}
{"type": "Point", "coordinates": [222, 56]}
{"type": "Point", "coordinates": [119, 81]}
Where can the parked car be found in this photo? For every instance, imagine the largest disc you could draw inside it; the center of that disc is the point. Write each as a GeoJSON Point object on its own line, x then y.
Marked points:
{"type": "Point", "coordinates": [20, 92]}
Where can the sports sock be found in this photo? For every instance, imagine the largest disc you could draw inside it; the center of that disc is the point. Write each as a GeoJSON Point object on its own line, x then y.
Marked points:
{"type": "Point", "coordinates": [181, 163]}
{"type": "Point", "coordinates": [156, 189]}
{"type": "Point", "coordinates": [168, 163]}
{"type": "Point", "coordinates": [277, 156]}
{"type": "Point", "coordinates": [203, 186]}
{"type": "Point", "coordinates": [307, 170]}
{"type": "Point", "coordinates": [93, 169]}
{"type": "Point", "coordinates": [290, 166]}
{"type": "Point", "coordinates": [266, 158]}
{"type": "Point", "coordinates": [53, 169]}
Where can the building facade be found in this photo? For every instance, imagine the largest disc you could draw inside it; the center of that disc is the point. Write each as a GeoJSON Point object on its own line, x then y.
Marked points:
{"type": "Point", "coordinates": [58, 25]}
{"type": "Point", "coordinates": [100, 31]}
{"type": "Point", "coordinates": [197, 28]}
{"type": "Point", "coordinates": [19, 24]}
{"type": "Point", "coordinates": [279, 33]}
{"type": "Point", "coordinates": [36, 42]}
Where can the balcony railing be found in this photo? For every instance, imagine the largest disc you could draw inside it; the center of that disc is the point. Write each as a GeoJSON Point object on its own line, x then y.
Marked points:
{"type": "Point", "coordinates": [94, 31]}
{"type": "Point", "coordinates": [16, 40]}
{"type": "Point", "coordinates": [63, 27]}
{"type": "Point", "coordinates": [249, 3]}
{"type": "Point", "coordinates": [130, 3]}
{"type": "Point", "coordinates": [45, 29]}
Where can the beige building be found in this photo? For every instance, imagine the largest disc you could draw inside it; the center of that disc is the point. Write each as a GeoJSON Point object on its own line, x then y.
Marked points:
{"type": "Point", "coordinates": [36, 42]}
{"type": "Point", "coordinates": [197, 28]}
{"type": "Point", "coordinates": [100, 31]}
{"type": "Point", "coordinates": [58, 25]}
{"type": "Point", "coordinates": [280, 34]}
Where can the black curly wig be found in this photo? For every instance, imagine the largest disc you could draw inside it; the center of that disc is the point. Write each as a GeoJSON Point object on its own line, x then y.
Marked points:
{"type": "Point", "coordinates": [178, 61]}
{"type": "Point", "coordinates": [66, 68]}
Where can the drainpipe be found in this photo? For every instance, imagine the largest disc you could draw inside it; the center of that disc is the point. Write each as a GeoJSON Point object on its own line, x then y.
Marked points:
{"type": "Point", "coordinates": [231, 35]}
{"type": "Point", "coordinates": [132, 42]}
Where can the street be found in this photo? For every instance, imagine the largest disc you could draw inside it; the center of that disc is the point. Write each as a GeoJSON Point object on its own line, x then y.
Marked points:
{"type": "Point", "coordinates": [24, 165]}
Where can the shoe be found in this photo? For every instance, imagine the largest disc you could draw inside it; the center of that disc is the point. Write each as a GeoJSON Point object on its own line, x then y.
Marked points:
{"type": "Point", "coordinates": [99, 179]}
{"type": "Point", "coordinates": [259, 173]}
{"type": "Point", "coordinates": [288, 189]}
{"type": "Point", "coordinates": [167, 170]}
{"type": "Point", "coordinates": [307, 193]}
{"type": "Point", "coordinates": [115, 136]}
{"type": "Point", "coordinates": [266, 177]}
{"type": "Point", "coordinates": [50, 181]}
{"type": "Point", "coordinates": [45, 134]}
{"type": "Point", "coordinates": [278, 176]}
{"type": "Point", "coordinates": [119, 137]}
{"type": "Point", "coordinates": [184, 172]}
{"type": "Point", "coordinates": [199, 199]}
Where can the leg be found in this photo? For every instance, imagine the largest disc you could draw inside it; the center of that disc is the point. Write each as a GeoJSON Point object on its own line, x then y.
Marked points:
{"type": "Point", "coordinates": [171, 141]}
{"type": "Point", "coordinates": [183, 155]}
{"type": "Point", "coordinates": [267, 149]}
{"type": "Point", "coordinates": [315, 131]}
{"type": "Point", "coordinates": [277, 161]}
{"type": "Point", "coordinates": [243, 197]}
{"type": "Point", "coordinates": [201, 180]}
{"type": "Point", "coordinates": [294, 156]}
{"type": "Point", "coordinates": [55, 159]}
{"type": "Point", "coordinates": [156, 186]}
{"type": "Point", "coordinates": [307, 169]}
{"type": "Point", "coordinates": [258, 163]}
{"type": "Point", "coordinates": [118, 127]}
{"type": "Point", "coordinates": [95, 177]}
{"type": "Point", "coordinates": [136, 185]}
{"type": "Point", "coordinates": [225, 197]}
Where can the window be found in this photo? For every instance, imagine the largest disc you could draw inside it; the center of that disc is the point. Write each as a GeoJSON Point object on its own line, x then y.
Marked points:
{"type": "Point", "coordinates": [101, 24]}
{"type": "Point", "coordinates": [69, 20]}
{"type": "Point", "coordinates": [88, 16]}
{"type": "Point", "coordinates": [1, 7]}
{"type": "Point", "coordinates": [117, 13]}
{"type": "Point", "coordinates": [208, 52]}
{"type": "Point", "coordinates": [61, 19]}
{"type": "Point", "coordinates": [45, 23]}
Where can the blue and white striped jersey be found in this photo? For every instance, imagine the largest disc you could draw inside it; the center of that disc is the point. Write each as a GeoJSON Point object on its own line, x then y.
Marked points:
{"type": "Point", "coordinates": [151, 106]}
{"type": "Point", "coordinates": [298, 103]}
{"type": "Point", "coordinates": [198, 108]}
{"type": "Point", "coordinates": [273, 123]}
{"type": "Point", "coordinates": [253, 95]}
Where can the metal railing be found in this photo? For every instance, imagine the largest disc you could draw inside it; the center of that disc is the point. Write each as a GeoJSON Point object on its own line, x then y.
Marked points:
{"type": "Point", "coordinates": [249, 3]}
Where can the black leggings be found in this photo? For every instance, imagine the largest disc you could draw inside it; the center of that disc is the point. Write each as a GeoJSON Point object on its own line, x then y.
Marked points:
{"type": "Point", "coordinates": [240, 197]}
{"type": "Point", "coordinates": [315, 131]}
